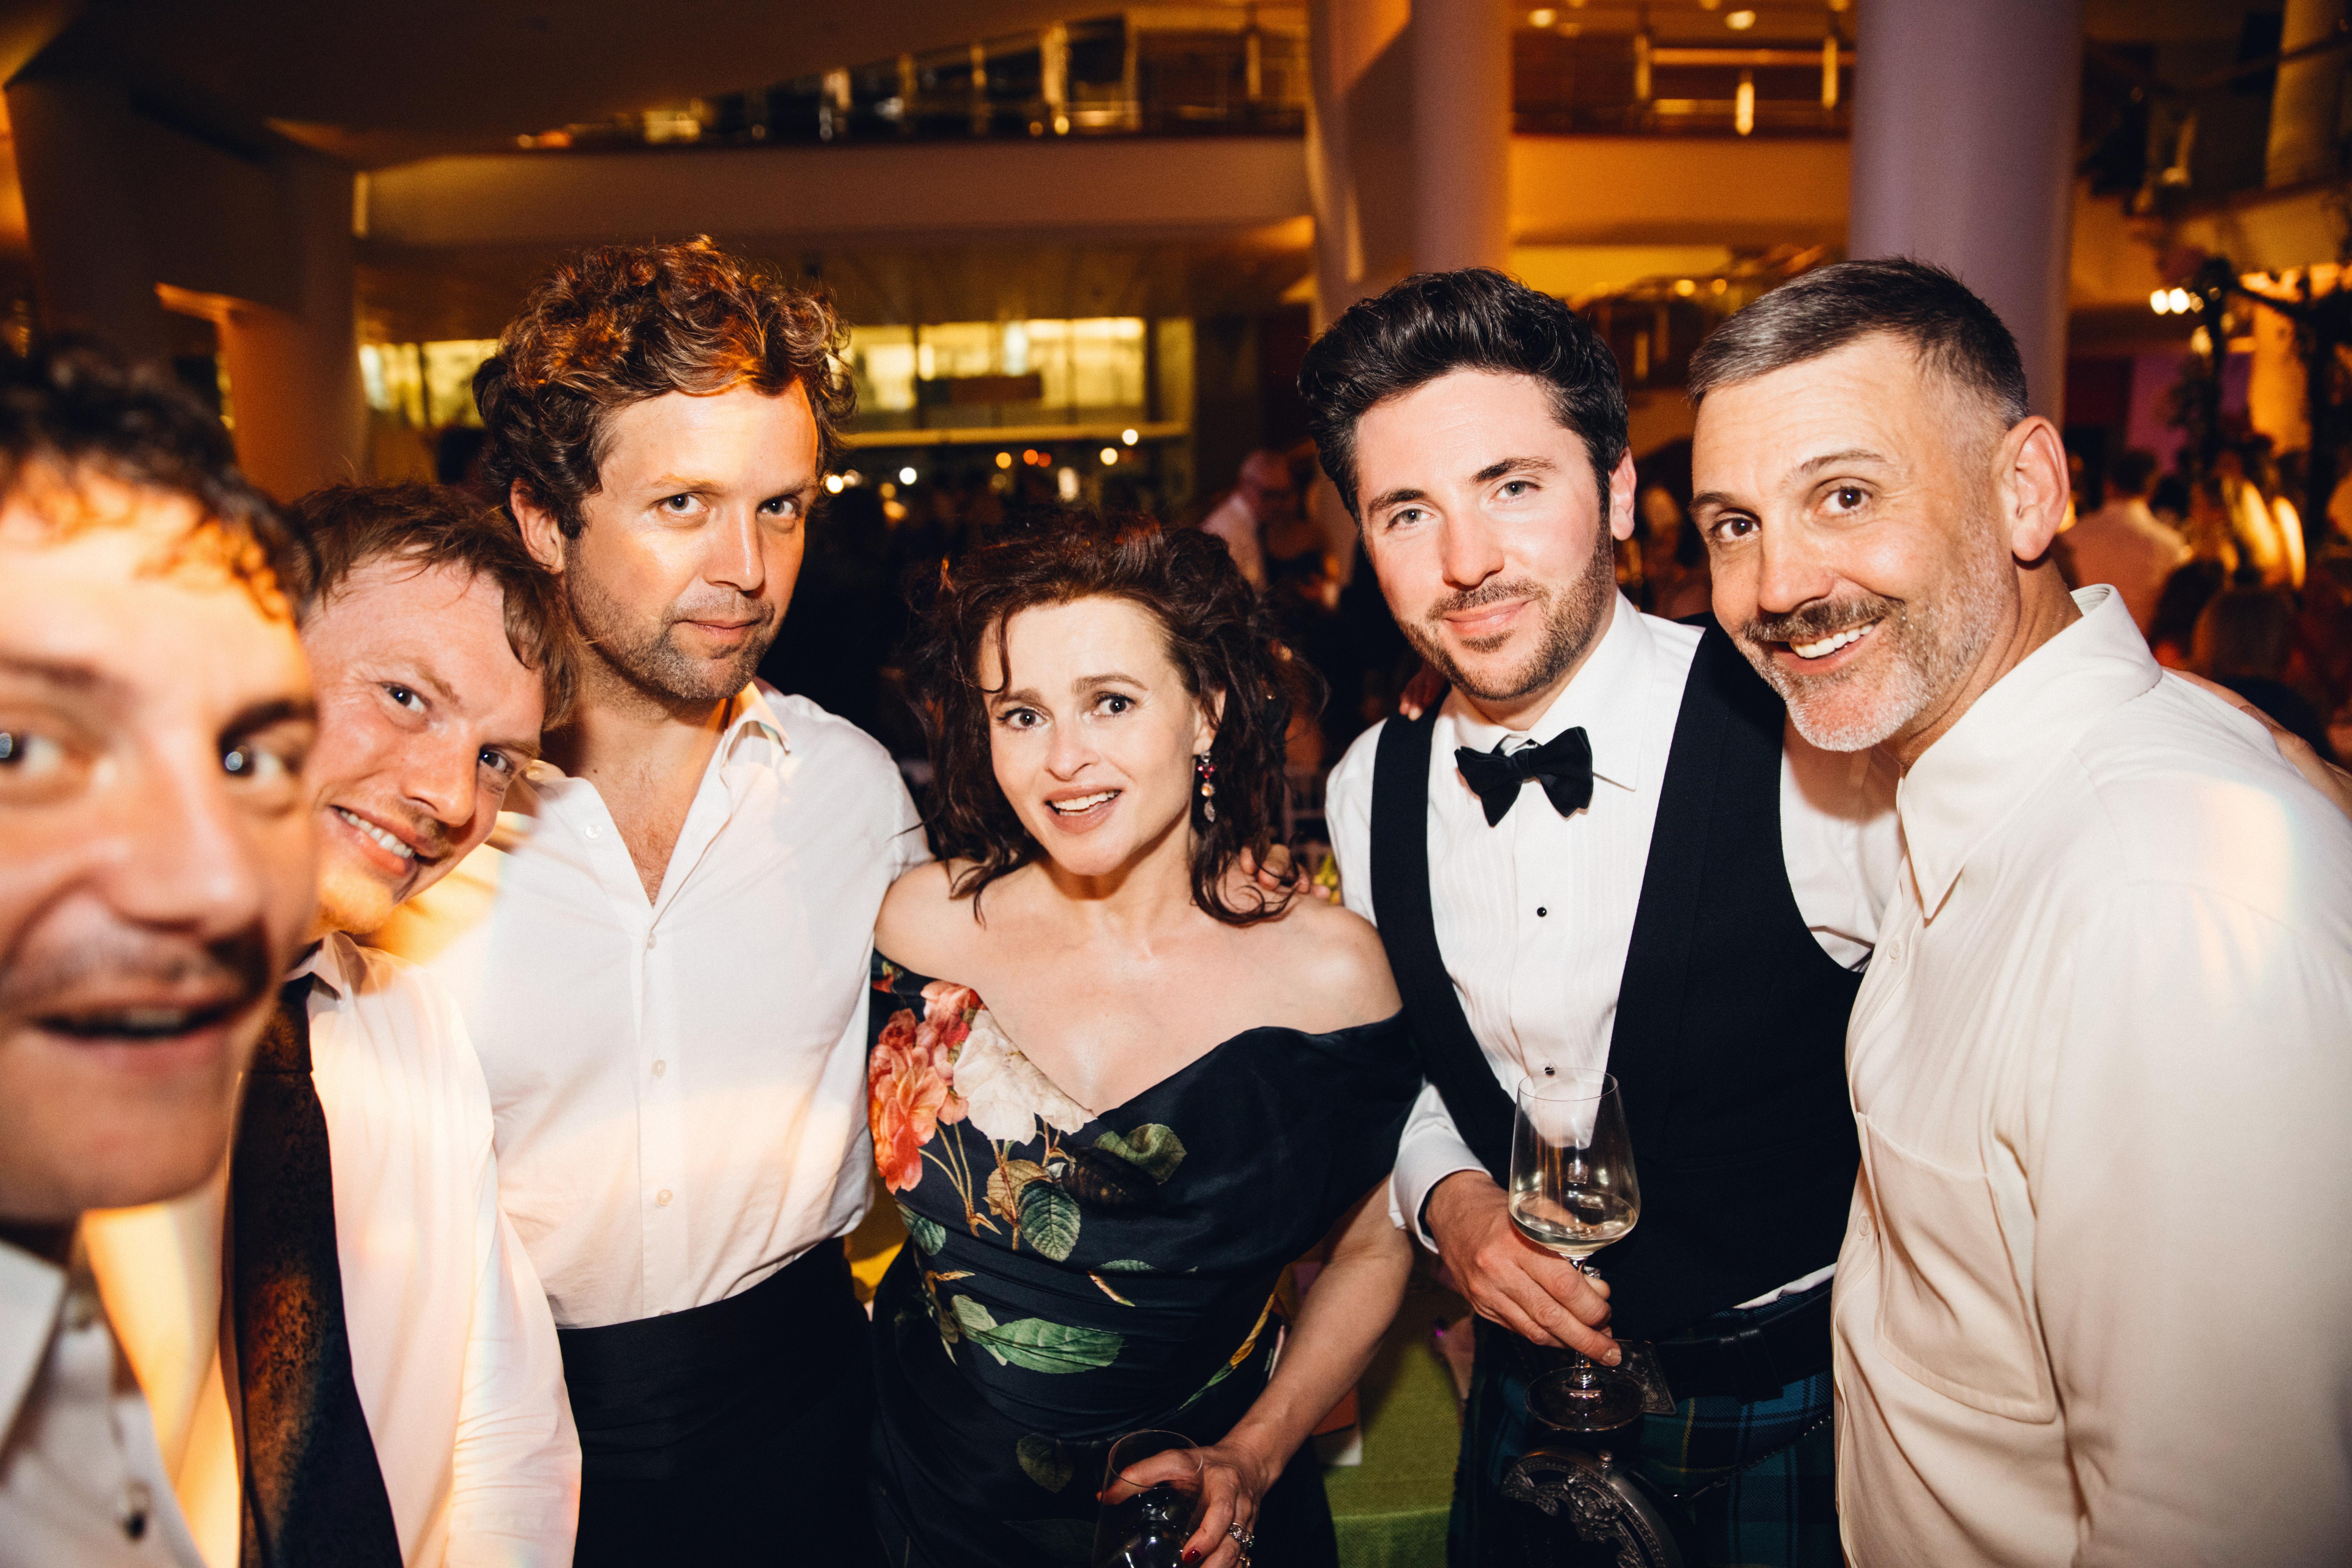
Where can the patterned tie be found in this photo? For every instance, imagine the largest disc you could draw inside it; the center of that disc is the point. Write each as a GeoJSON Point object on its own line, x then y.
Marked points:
{"type": "Point", "coordinates": [1563, 764]}
{"type": "Point", "coordinates": [313, 1497]}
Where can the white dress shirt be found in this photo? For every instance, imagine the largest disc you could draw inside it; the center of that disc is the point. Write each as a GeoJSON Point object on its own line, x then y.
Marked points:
{"type": "Point", "coordinates": [454, 1354]}
{"type": "Point", "coordinates": [2095, 1304]}
{"type": "Point", "coordinates": [680, 1085]}
{"type": "Point", "coordinates": [1535, 914]}
{"type": "Point", "coordinates": [82, 1480]}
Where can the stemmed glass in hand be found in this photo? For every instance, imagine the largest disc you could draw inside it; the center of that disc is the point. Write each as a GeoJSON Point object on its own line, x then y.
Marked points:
{"type": "Point", "coordinates": [1145, 1522]}
{"type": "Point", "coordinates": [1572, 1192]}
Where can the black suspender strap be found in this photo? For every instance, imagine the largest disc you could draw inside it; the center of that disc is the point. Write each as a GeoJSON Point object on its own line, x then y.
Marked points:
{"type": "Point", "coordinates": [1450, 1053]}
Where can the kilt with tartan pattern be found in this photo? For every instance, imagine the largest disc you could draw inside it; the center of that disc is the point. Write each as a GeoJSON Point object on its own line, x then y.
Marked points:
{"type": "Point", "coordinates": [1752, 1483]}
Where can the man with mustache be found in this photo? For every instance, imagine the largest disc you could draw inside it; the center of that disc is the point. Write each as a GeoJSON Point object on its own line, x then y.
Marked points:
{"type": "Point", "coordinates": [155, 873]}
{"type": "Point", "coordinates": [665, 969]}
{"type": "Point", "coordinates": [2091, 1306]}
{"type": "Point", "coordinates": [1684, 904]}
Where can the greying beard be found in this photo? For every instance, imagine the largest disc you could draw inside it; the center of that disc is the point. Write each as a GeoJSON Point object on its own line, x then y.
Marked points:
{"type": "Point", "coordinates": [1572, 622]}
{"type": "Point", "coordinates": [1931, 647]}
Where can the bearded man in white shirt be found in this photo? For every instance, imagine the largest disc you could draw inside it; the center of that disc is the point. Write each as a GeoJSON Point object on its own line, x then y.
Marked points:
{"type": "Point", "coordinates": [155, 873]}
{"type": "Point", "coordinates": [2091, 1306]}
{"type": "Point", "coordinates": [1683, 904]}
{"type": "Point", "coordinates": [664, 963]}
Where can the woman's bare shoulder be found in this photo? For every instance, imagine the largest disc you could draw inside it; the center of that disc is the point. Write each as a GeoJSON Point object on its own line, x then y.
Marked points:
{"type": "Point", "coordinates": [923, 925]}
{"type": "Point", "coordinates": [1335, 953]}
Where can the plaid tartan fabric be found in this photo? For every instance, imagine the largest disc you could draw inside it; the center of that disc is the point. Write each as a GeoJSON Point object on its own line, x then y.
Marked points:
{"type": "Point", "coordinates": [1757, 1482]}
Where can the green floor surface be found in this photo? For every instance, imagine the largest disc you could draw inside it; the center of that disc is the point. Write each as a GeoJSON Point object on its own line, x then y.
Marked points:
{"type": "Point", "coordinates": [1390, 1509]}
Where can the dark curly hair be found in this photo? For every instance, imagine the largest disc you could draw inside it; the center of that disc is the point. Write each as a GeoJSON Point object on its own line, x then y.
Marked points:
{"type": "Point", "coordinates": [75, 407]}
{"type": "Point", "coordinates": [1218, 636]}
{"type": "Point", "coordinates": [622, 323]}
{"type": "Point", "coordinates": [1434, 323]}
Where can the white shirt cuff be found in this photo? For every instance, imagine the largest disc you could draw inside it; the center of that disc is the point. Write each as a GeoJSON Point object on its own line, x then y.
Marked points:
{"type": "Point", "coordinates": [1427, 1155]}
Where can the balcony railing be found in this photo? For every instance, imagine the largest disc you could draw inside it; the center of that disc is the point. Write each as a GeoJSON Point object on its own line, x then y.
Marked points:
{"type": "Point", "coordinates": [1207, 70]}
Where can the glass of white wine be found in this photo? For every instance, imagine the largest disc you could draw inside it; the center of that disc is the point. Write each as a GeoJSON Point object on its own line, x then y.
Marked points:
{"type": "Point", "coordinates": [1573, 1192]}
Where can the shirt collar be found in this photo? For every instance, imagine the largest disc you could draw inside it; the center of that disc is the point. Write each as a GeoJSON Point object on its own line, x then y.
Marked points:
{"type": "Point", "coordinates": [332, 966]}
{"type": "Point", "coordinates": [754, 728]}
{"type": "Point", "coordinates": [30, 1289]}
{"type": "Point", "coordinates": [1995, 757]}
{"type": "Point", "coordinates": [1609, 697]}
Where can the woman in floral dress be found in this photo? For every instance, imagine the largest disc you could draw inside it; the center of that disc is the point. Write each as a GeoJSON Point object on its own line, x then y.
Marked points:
{"type": "Point", "coordinates": [1115, 1087]}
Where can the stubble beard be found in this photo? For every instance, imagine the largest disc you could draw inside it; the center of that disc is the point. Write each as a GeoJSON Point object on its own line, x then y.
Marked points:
{"type": "Point", "coordinates": [647, 656]}
{"type": "Point", "coordinates": [1572, 616]}
{"type": "Point", "coordinates": [1931, 647]}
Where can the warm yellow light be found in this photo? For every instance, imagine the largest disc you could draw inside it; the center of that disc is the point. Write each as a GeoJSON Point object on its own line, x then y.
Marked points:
{"type": "Point", "coordinates": [1685, 286]}
{"type": "Point", "coordinates": [1110, 456]}
{"type": "Point", "coordinates": [1129, 437]}
{"type": "Point", "coordinates": [906, 476]}
{"type": "Point", "coordinates": [2181, 301]}
{"type": "Point", "coordinates": [833, 484]}
{"type": "Point", "coordinates": [1719, 286]}
{"type": "Point", "coordinates": [1543, 18]}
{"type": "Point", "coordinates": [1740, 21]}
{"type": "Point", "coordinates": [2160, 302]}
{"type": "Point", "coordinates": [1004, 459]}
{"type": "Point", "coordinates": [1743, 106]}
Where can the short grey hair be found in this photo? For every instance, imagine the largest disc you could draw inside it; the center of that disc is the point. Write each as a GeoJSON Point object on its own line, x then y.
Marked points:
{"type": "Point", "coordinates": [1953, 331]}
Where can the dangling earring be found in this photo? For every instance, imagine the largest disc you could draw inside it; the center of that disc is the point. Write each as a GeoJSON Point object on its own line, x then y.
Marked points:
{"type": "Point", "coordinates": [1206, 772]}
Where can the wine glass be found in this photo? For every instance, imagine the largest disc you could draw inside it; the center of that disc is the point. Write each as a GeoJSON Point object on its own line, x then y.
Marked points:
{"type": "Point", "coordinates": [1145, 1523]}
{"type": "Point", "coordinates": [1572, 1192]}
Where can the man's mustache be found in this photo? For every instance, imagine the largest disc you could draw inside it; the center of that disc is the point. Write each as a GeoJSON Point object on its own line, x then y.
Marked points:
{"type": "Point", "coordinates": [1826, 619]}
{"type": "Point", "coordinates": [238, 964]}
{"type": "Point", "coordinates": [1484, 594]}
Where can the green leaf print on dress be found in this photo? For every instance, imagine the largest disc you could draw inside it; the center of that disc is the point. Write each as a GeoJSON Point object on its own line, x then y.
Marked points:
{"type": "Point", "coordinates": [1045, 1461]}
{"type": "Point", "coordinates": [1151, 1147]}
{"type": "Point", "coordinates": [1035, 1343]}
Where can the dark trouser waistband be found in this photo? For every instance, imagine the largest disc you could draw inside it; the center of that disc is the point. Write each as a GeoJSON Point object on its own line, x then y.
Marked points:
{"type": "Point", "coordinates": [1743, 1354]}
{"type": "Point", "coordinates": [1750, 1355]}
{"type": "Point", "coordinates": [661, 1396]}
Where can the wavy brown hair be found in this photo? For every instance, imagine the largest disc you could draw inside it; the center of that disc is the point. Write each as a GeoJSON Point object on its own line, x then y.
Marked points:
{"type": "Point", "coordinates": [346, 527]}
{"type": "Point", "coordinates": [1217, 635]}
{"type": "Point", "coordinates": [623, 323]}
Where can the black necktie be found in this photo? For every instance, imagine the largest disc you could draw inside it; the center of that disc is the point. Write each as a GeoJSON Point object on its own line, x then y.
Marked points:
{"type": "Point", "coordinates": [313, 1494]}
{"type": "Point", "coordinates": [1563, 764]}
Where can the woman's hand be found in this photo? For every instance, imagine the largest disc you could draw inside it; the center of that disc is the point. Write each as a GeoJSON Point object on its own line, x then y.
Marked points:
{"type": "Point", "coordinates": [1235, 1475]}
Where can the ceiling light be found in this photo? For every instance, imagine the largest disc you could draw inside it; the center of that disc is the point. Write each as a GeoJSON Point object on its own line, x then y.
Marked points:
{"type": "Point", "coordinates": [833, 484]}
{"type": "Point", "coordinates": [1110, 456]}
{"type": "Point", "coordinates": [1740, 21]}
{"type": "Point", "coordinates": [906, 476]}
{"type": "Point", "coordinates": [2182, 301]}
{"type": "Point", "coordinates": [1543, 18]}
{"type": "Point", "coordinates": [1685, 286]}
{"type": "Point", "coordinates": [2160, 302]}
{"type": "Point", "coordinates": [1129, 437]}
{"type": "Point", "coordinates": [1004, 459]}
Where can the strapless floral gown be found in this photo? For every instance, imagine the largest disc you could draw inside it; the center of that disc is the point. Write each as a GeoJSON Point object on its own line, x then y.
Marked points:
{"type": "Point", "coordinates": [1072, 1275]}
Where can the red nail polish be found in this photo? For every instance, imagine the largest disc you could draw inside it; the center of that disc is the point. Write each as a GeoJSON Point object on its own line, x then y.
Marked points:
{"type": "Point", "coordinates": [1190, 1555]}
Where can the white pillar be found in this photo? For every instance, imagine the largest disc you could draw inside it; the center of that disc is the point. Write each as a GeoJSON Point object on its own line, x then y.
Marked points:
{"type": "Point", "coordinates": [1460, 134]}
{"type": "Point", "coordinates": [2304, 106]}
{"type": "Point", "coordinates": [294, 375]}
{"type": "Point", "coordinates": [1344, 38]}
{"type": "Point", "coordinates": [1963, 156]}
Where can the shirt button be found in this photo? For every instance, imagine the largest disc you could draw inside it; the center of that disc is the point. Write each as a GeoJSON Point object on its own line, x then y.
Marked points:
{"type": "Point", "coordinates": [649, 942]}
{"type": "Point", "coordinates": [661, 1198]}
{"type": "Point", "coordinates": [660, 1068]}
{"type": "Point", "coordinates": [1541, 911]}
{"type": "Point", "coordinates": [593, 831]}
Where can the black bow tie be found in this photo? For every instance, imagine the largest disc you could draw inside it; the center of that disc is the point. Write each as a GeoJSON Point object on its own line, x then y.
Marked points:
{"type": "Point", "coordinates": [1563, 764]}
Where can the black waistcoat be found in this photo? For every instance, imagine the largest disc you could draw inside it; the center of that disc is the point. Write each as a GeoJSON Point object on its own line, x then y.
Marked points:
{"type": "Point", "coordinates": [1730, 1046]}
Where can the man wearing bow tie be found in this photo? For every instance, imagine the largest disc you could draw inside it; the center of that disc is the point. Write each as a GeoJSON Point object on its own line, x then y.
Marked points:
{"type": "Point", "coordinates": [1684, 901]}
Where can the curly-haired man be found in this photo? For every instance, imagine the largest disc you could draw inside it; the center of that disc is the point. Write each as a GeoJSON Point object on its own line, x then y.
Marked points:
{"type": "Point", "coordinates": [666, 987]}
